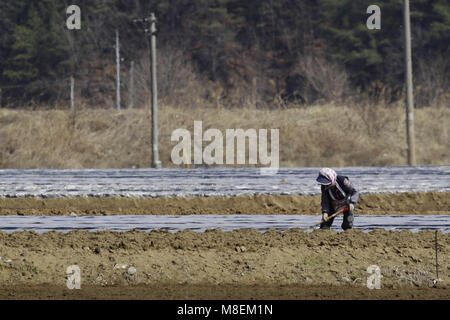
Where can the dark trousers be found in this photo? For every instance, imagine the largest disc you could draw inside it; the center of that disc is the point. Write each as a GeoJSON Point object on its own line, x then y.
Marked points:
{"type": "Point", "coordinates": [346, 224]}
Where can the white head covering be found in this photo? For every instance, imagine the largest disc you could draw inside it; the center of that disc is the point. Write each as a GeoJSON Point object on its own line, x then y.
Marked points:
{"type": "Point", "coordinates": [330, 174]}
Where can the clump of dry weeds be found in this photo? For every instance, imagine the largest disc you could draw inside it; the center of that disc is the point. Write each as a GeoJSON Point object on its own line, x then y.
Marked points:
{"type": "Point", "coordinates": [323, 135]}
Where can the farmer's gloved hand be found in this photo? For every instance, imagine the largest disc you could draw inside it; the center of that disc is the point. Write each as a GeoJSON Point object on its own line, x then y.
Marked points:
{"type": "Point", "coordinates": [324, 216]}
{"type": "Point", "coordinates": [351, 208]}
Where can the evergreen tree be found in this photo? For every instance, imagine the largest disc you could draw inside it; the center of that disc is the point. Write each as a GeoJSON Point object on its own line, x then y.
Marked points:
{"type": "Point", "coordinates": [37, 56]}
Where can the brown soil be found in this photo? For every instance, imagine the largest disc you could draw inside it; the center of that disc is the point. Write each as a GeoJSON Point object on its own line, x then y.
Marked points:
{"type": "Point", "coordinates": [240, 264]}
{"type": "Point", "coordinates": [222, 292]}
{"type": "Point", "coordinates": [400, 203]}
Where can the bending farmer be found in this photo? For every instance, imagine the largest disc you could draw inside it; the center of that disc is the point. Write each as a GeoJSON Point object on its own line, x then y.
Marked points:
{"type": "Point", "coordinates": [337, 192]}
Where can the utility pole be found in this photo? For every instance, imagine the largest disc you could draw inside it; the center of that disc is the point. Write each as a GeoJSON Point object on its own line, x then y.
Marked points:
{"type": "Point", "coordinates": [131, 87]}
{"type": "Point", "coordinates": [72, 98]}
{"type": "Point", "coordinates": [155, 161]}
{"type": "Point", "coordinates": [410, 143]}
{"type": "Point", "coordinates": [118, 71]}
{"type": "Point", "coordinates": [150, 31]}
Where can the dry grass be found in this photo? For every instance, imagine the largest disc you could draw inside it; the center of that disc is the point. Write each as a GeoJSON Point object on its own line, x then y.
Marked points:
{"type": "Point", "coordinates": [326, 135]}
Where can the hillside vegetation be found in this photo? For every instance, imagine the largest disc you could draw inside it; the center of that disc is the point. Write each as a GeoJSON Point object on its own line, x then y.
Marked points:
{"type": "Point", "coordinates": [272, 52]}
{"type": "Point", "coordinates": [326, 135]}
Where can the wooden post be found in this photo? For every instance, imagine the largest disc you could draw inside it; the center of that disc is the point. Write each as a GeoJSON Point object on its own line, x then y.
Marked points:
{"type": "Point", "coordinates": [155, 153]}
{"type": "Point", "coordinates": [72, 96]}
{"type": "Point", "coordinates": [131, 87]}
{"type": "Point", "coordinates": [117, 71]}
{"type": "Point", "coordinates": [410, 143]}
{"type": "Point", "coordinates": [436, 249]}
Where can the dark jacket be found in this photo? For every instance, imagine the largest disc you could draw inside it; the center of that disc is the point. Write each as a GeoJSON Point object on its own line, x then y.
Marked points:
{"type": "Point", "coordinates": [346, 186]}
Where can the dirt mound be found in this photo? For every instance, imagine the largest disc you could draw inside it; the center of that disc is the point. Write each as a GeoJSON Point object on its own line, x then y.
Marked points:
{"type": "Point", "coordinates": [398, 203]}
{"type": "Point", "coordinates": [130, 264]}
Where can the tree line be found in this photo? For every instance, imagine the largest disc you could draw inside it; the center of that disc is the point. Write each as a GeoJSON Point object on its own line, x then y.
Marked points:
{"type": "Point", "coordinates": [286, 50]}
